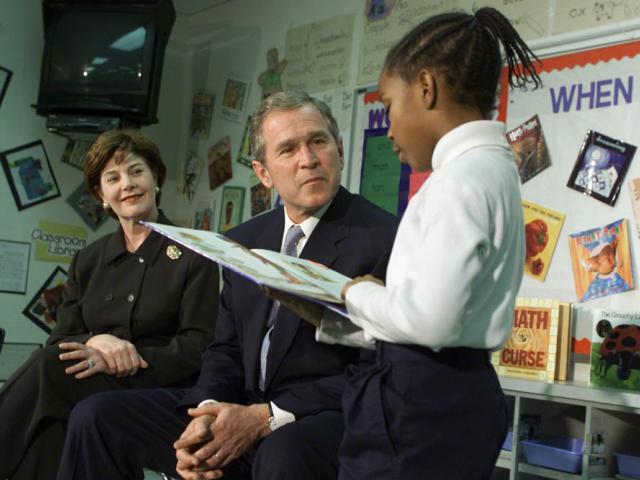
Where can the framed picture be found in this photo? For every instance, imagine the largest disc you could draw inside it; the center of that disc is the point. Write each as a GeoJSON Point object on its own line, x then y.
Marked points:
{"type": "Point", "coordinates": [14, 266]}
{"type": "Point", "coordinates": [75, 152]}
{"type": "Point", "coordinates": [190, 175]}
{"type": "Point", "coordinates": [231, 208]}
{"type": "Point", "coordinates": [43, 307]}
{"type": "Point", "coordinates": [203, 217]}
{"type": "Point", "coordinates": [234, 99]}
{"type": "Point", "coordinates": [88, 207]}
{"type": "Point", "coordinates": [29, 174]}
{"type": "Point", "coordinates": [5, 77]}
{"type": "Point", "coordinates": [220, 169]}
{"type": "Point", "coordinates": [245, 157]}
{"type": "Point", "coordinates": [601, 166]}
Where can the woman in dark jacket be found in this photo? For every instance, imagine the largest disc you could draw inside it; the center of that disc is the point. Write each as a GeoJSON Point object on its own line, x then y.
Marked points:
{"type": "Point", "coordinates": [138, 312]}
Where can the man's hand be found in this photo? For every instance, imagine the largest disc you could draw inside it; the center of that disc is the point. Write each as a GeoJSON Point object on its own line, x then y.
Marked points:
{"type": "Point", "coordinates": [364, 278]}
{"type": "Point", "coordinates": [235, 430]}
{"type": "Point", "coordinates": [198, 434]}
{"type": "Point", "coordinates": [309, 311]}
{"type": "Point", "coordinates": [122, 358]}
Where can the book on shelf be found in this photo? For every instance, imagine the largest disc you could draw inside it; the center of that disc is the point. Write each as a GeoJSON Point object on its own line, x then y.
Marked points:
{"type": "Point", "coordinates": [293, 275]}
{"type": "Point", "coordinates": [564, 343]}
{"type": "Point", "coordinates": [531, 349]}
{"type": "Point", "coordinates": [542, 228]}
{"type": "Point", "coordinates": [634, 190]}
{"type": "Point", "coordinates": [601, 261]}
{"type": "Point", "coordinates": [615, 349]}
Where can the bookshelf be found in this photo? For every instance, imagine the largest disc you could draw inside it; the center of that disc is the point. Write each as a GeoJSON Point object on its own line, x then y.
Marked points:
{"type": "Point", "coordinates": [571, 409]}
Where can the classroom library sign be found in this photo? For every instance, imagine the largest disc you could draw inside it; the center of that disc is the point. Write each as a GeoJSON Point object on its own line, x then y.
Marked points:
{"type": "Point", "coordinates": [57, 242]}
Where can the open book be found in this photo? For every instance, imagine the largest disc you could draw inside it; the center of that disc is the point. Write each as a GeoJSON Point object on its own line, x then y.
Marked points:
{"type": "Point", "coordinates": [293, 275]}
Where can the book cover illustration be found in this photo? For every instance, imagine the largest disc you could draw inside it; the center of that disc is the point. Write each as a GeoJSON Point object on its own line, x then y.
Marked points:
{"type": "Point", "coordinates": [294, 275]}
{"type": "Point", "coordinates": [601, 261]}
{"type": "Point", "coordinates": [542, 229]}
{"type": "Point", "coordinates": [615, 354]}
{"type": "Point", "coordinates": [601, 166]}
{"type": "Point", "coordinates": [529, 148]}
{"type": "Point", "coordinates": [201, 115]}
{"type": "Point", "coordinates": [530, 350]}
{"type": "Point", "coordinates": [634, 190]}
{"type": "Point", "coordinates": [219, 163]}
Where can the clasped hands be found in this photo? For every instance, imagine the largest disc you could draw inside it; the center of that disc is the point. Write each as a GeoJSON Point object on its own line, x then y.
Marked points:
{"type": "Point", "coordinates": [308, 310]}
{"type": "Point", "coordinates": [218, 434]}
{"type": "Point", "coordinates": [102, 353]}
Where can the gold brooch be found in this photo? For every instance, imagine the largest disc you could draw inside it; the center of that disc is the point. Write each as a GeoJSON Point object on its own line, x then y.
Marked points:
{"type": "Point", "coordinates": [173, 252]}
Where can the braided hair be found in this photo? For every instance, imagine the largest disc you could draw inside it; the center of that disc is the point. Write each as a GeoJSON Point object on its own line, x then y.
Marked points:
{"type": "Point", "coordinates": [465, 50]}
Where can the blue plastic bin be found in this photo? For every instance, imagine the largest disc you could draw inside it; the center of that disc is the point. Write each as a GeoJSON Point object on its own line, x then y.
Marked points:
{"type": "Point", "coordinates": [508, 441]}
{"type": "Point", "coordinates": [628, 465]}
{"type": "Point", "coordinates": [563, 454]}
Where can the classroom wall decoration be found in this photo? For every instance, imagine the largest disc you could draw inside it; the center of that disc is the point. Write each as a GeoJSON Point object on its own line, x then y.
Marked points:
{"type": "Point", "coordinates": [219, 158]}
{"type": "Point", "coordinates": [42, 309]}
{"type": "Point", "coordinates": [5, 77]}
{"type": "Point", "coordinates": [542, 228]}
{"type": "Point", "coordinates": [201, 113]}
{"type": "Point", "coordinates": [234, 99]}
{"type": "Point", "coordinates": [29, 174]}
{"type": "Point", "coordinates": [88, 207]}
{"type": "Point", "coordinates": [189, 175]}
{"type": "Point", "coordinates": [271, 79]}
{"type": "Point", "coordinates": [57, 242]}
{"type": "Point", "coordinates": [529, 148]}
{"type": "Point", "coordinates": [245, 157]}
{"type": "Point", "coordinates": [319, 55]}
{"type": "Point", "coordinates": [231, 208]}
{"type": "Point", "coordinates": [75, 152]}
{"type": "Point", "coordinates": [14, 266]}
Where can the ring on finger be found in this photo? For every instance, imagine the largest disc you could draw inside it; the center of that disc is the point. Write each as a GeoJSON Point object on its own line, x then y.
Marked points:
{"type": "Point", "coordinates": [90, 364]}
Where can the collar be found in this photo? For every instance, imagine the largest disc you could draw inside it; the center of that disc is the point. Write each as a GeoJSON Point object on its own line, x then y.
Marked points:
{"type": "Point", "coordinates": [148, 250]}
{"type": "Point", "coordinates": [307, 226]}
{"type": "Point", "coordinates": [470, 135]}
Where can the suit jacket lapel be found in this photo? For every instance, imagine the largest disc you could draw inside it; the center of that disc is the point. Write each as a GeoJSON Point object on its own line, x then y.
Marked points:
{"type": "Point", "coordinates": [321, 247]}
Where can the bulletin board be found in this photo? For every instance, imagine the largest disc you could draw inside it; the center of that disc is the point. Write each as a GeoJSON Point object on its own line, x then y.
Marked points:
{"type": "Point", "coordinates": [602, 72]}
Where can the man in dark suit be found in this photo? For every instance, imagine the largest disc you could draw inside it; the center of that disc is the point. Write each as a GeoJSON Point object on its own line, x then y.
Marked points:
{"type": "Point", "coordinates": [268, 396]}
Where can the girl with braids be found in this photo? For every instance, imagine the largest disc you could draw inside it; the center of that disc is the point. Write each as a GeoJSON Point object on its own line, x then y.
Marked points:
{"type": "Point", "coordinates": [431, 407]}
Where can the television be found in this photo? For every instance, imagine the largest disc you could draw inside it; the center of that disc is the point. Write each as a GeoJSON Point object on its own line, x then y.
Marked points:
{"type": "Point", "coordinates": [104, 57]}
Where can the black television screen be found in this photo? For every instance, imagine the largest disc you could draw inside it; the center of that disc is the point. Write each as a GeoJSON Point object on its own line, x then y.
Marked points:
{"type": "Point", "coordinates": [103, 58]}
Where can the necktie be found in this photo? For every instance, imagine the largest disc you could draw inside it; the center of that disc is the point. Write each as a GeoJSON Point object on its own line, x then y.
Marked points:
{"type": "Point", "coordinates": [294, 234]}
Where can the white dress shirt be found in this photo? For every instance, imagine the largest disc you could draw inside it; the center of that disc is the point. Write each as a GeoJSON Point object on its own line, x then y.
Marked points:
{"type": "Point", "coordinates": [457, 260]}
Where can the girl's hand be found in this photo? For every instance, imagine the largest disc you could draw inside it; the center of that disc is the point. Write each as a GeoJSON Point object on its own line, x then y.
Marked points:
{"type": "Point", "coordinates": [90, 362]}
{"type": "Point", "coordinates": [364, 278]}
{"type": "Point", "coordinates": [121, 356]}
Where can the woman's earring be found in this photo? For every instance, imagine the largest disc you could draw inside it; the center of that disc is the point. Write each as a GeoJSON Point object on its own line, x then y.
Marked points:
{"type": "Point", "coordinates": [157, 189]}
{"type": "Point", "coordinates": [105, 206]}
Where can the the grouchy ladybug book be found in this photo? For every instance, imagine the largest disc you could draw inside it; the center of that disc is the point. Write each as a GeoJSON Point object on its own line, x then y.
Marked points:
{"type": "Point", "coordinates": [541, 230]}
{"type": "Point", "coordinates": [615, 350]}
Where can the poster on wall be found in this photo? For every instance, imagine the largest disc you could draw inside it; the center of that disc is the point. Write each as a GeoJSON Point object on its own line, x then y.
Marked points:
{"type": "Point", "coordinates": [231, 208]}
{"type": "Point", "coordinates": [203, 216]}
{"type": "Point", "coordinates": [29, 174]}
{"type": "Point", "coordinates": [42, 309]}
{"type": "Point", "coordinates": [57, 242]}
{"type": "Point", "coordinates": [201, 115]}
{"type": "Point", "coordinates": [190, 175]}
{"type": "Point", "coordinates": [234, 99]}
{"type": "Point", "coordinates": [88, 207]}
{"type": "Point", "coordinates": [5, 77]}
{"type": "Point", "coordinates": [14, 266]}
{"type": "Point", "coordinates": [245, 156]}
{"type": "Point", "coordinates": [219, 158]}
{"type": "Point", "coordinates": [75, 152]}
{"type": "Point", "coordinates": [259, 194]}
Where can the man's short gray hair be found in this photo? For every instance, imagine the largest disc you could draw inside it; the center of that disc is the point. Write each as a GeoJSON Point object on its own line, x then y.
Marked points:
{"type": "Point", "coordinates": [283, 101]}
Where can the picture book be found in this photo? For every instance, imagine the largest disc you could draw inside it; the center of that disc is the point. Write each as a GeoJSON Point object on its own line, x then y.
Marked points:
{"type": "Point", "coordinates": [581, 344]}
{"type": "Point", "coordinates": [615, 350]}
{"type": "Point", "coordinates": [297, 276]}
{"type": "Point", "coordinates": [530, 350]}
{"type": "Point", "coordinates": [564, 343]}
{"type": "Point", "coordinates": [542, 229]}
{"type": "Point", "coordinates": [634, 190]}
{"type": "Point", "coordinates": [601, 166]}
{"type": "Point", "coordinates": [529, 148]}
{"type": "Point", "coordinates": [601, 261]}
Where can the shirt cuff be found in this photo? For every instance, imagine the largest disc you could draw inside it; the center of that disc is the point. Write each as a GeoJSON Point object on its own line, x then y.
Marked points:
{"type": "Point", "coordinates": [280, 417]}
{"type": "Point", "coordinates": [207, 401]}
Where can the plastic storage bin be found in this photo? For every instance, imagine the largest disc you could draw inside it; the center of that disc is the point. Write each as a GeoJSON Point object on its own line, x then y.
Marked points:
{"type": "Point", "coordinates": [508, 441]}
{"type": "Point", "coordinates": [563, 454]}
{"type": "Point", "coordinates": [628, 465]}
